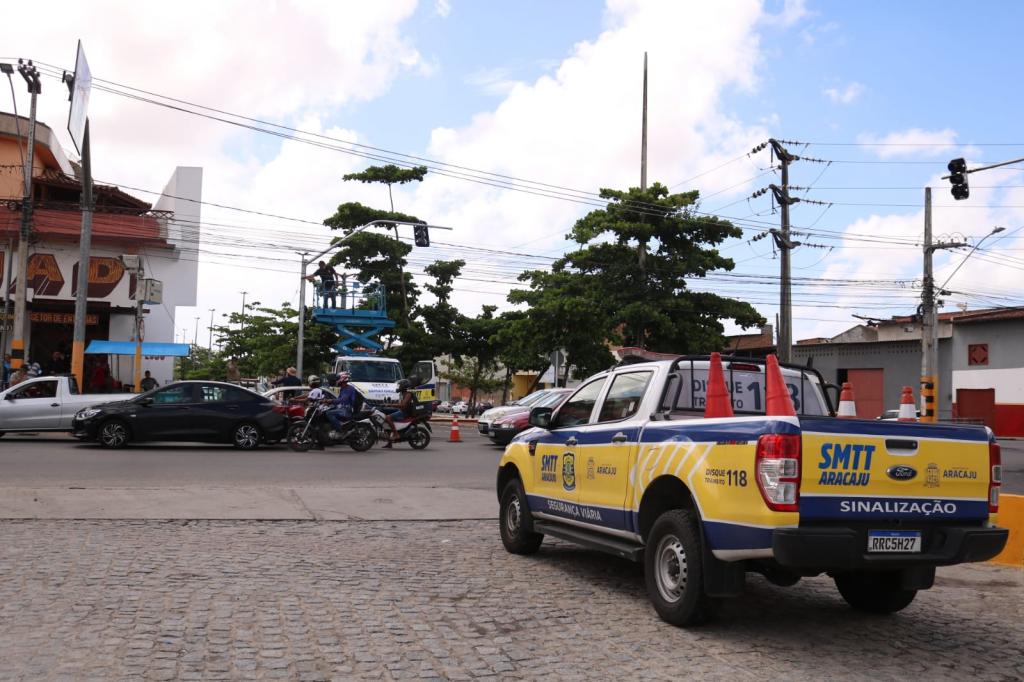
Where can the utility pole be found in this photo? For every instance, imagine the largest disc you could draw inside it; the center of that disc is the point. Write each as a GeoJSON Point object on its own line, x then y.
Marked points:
{"type": "Point", "coordinates": [785, 345]}
{"type": "Point", "coordinates": [300, 346]}
{"type": "Point", "coordinates": [84, 248]}
{"type": "Point", "coordinates": [929, 319]}
{"type": "Point", "coordinates": [31, 75]}
{"type": "Point", "coordinates": [243, 309]}
{"type": "Point", "coordinates": [211, 330]}
{"type": "Point", "coordinates": [195, 335]}
{"type": "Point", "coordinates": [641, 247]}
{"type": "Point", "coordinates": [140, 295]}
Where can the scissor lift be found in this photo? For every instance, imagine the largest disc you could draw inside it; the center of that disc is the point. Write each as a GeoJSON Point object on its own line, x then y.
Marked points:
{"type": "Point", "coordinates": [359, 319]}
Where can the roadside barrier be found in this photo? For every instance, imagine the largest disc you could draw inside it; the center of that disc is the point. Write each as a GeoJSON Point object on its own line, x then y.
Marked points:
{"type": "Point", "coordinates": [908, 408]}
{"type": "Point", "coordinates": [454, 436]}
{"type": "Point", "coordinates": [718, 402]}
{"type": "Point", "coordinates": [1011, 516]}
{"type": "Point", "coordinates": [847, 406]}
{"type": "Point", "coordinates": [777, 399]}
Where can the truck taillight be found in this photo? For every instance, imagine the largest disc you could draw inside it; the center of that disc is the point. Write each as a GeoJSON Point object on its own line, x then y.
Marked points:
{"type": "Point", "coordinates": [778, 470]}
{"type": "Point", "coordinates": [995, 479]}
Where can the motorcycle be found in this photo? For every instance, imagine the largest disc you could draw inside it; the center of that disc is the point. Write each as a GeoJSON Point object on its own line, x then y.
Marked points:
{"type": "Point", "coordinates": [415, 430]}
{"type": "Point", "coordinates": [315, 431]}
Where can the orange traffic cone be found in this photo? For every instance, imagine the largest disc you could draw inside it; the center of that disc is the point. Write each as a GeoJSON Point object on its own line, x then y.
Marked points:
{"type": "Point", "coordinates": [908, 409]}
{"type": "Point", "coordinates": [777, 399]}
{"type": "Point", "coordinates": [718, 402]}
{"type": "Point", "coordinates": [847, 408]}
{"type": "Point", "coordinates": [454, 436]}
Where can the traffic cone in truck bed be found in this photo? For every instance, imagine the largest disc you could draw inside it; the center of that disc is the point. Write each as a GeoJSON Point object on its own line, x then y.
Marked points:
{"type": "Point", "coordinates": [847, 407]}
{"type": "Point", "coordinates": [777, 399]}
{"type": "Point", "coordinates": [454, 436]}
{"type": "Point", "coordinates": [908, 409]}
{"type": "Point", "coordinates": [718, 402]}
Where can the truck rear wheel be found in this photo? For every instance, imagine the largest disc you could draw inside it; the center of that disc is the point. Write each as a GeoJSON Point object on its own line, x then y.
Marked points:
{"type": "Point", "coordinates": [674, 570]}
{"type": "Point", "coordinates": [515, 521]}
{"type": "Point", "coordinates": [874, 592]}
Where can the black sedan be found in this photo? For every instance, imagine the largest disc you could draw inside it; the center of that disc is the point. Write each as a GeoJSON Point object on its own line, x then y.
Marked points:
{"type": "Point", "coordinates": [205, 411]}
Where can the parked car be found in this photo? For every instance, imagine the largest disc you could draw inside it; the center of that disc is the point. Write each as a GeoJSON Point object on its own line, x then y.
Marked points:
{"type": "Point", "coordinates": [205, 411]}
{"type": "Point", "coordinates": [294, 398]}
{"type": "Point", "coordinates": [460, 407]}
{"type": "Point", "coordinates": [502, 429]}
{"type": "Point", "coordinates": [47, 404]}
{"type": "Point", "coordinates": [483, 423]}
{"type": "Point", "coordinates": [443, 406]}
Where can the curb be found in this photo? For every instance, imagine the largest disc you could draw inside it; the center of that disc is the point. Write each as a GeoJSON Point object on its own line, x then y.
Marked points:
{"type": "Point", "coordinates": [1011, 516]}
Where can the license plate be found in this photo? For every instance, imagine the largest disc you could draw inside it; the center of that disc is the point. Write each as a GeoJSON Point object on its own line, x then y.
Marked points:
{"type": "Point", "coordinates": [900, 541]}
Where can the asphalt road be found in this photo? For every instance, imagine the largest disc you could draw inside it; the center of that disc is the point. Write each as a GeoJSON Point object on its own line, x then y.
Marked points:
{"type": "Point", "coordinates": [62, 461]}
{"type": "Point", "coordinates": [57, 460]}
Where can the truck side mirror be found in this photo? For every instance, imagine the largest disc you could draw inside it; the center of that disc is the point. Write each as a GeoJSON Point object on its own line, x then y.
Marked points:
{"type": "Point", "coordinates": [541, 417]}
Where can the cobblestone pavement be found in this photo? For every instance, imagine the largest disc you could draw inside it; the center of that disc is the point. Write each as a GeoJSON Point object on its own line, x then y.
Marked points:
{"type": "Point", "coordinates": [324, 600]}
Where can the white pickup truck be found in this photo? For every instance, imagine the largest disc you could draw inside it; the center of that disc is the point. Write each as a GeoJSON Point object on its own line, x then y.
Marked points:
{"type": "Point", "coordinates": [47, 404]}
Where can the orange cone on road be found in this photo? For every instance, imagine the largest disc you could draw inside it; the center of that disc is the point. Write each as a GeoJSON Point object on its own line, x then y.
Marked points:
{"type": "Point", "coordinates": [718, 402]}
{"type": "Point", "coordinates": [847, 407]}
{"type": "Point", "coordinates": [908, 408]}
{"type": "Point", "coordinates": [454, 436]}
{"type": "Point", "coordinates": [777, 399]}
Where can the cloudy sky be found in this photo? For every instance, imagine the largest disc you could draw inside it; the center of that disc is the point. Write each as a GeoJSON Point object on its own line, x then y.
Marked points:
{"type": "Point", "coordinates": [525, 109]}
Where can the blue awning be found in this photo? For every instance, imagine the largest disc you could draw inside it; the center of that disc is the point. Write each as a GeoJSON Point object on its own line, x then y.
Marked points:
{"type": "Point", "coordinates": [179, 350]}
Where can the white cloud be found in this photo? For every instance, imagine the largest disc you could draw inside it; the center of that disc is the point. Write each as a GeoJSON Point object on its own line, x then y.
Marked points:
{"type": "Point", "coordinates": [292, 62]}
{"type": "Point", "coordinates": [846, 95]}
{"type": "Point", "coordinates": [442, 8]}
{"type": "Point", "coordinates": [792, 12]}
{"type": "Point", "coordinates": [912, 142]}
{"type": "Point", "coordinates": [493, 81]}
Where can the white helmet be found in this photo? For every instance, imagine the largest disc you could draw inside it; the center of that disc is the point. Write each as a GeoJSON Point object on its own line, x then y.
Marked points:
{"type": "Point", "coordinates": [313, 379]}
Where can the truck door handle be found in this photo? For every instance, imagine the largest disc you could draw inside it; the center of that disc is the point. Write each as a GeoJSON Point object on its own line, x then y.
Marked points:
{"type": "Point", "coordinates": [897, 446]}
{"type": "Point", "coordinates": [619, 437]}
{"type": "Point", "coordinates": [571, 441]}
{"type": "Point", "coordinates": [54, 404]}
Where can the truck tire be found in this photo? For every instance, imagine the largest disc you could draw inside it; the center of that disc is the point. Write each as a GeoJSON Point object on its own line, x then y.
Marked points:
{"type": "Point", "coordinates": [515, 521]}
{"type": "Point", "coordinates": [674, 570]}
{"type": "Point", "coordinates": [874, 592]}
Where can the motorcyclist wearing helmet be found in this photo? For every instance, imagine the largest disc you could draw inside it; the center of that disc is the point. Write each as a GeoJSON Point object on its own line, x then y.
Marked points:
{"type": "Point", "coordinates": [345, 404]}
{"type": "Point", "coordinates": [401, 411]}
{"type": "Point", "coordinates": [315, 390]}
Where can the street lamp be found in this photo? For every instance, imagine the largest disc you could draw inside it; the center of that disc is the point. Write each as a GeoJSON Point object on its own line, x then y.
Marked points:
{"type": "Point", "coordinates": [243, 309]}
{"type": "Point", "coordinates": [995, 230]}
{"type": "Point", "coordinates": [212, 310]}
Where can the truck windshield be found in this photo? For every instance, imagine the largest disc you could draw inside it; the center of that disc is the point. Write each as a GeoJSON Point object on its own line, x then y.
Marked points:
{"type": "Point", "coordinates": [370, 371]}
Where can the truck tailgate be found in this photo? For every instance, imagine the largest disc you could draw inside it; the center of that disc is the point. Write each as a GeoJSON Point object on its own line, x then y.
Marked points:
{"type": "Point", "coordinates": [860, 470]}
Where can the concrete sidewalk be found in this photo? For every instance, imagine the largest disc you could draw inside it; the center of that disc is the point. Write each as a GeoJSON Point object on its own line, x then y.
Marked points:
{"type": "Point", "coordinates": [249, 503]}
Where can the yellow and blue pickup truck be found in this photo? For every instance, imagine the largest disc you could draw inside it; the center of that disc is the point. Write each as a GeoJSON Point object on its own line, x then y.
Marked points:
{"type": "Point", "coordinates": [630, 464]}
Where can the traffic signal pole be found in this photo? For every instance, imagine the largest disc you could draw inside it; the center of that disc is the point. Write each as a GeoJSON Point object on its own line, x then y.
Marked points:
{"type": "Point", "coordinates": [929, 323]}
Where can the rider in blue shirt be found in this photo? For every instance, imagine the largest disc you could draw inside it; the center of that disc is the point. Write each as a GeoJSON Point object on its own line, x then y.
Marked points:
{"type": "Point", "coordinates": [344, 406]}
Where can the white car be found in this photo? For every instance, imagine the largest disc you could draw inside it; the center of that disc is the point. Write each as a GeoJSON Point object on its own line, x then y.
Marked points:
{"type": "Point", "coordinates": [460, 407]}
{"type": "Point", "coordinates": [488, 417]}
{"type": "Point", "coordinates": [47, 404]}
{"type": "Point", "coordinates": [444, 406]}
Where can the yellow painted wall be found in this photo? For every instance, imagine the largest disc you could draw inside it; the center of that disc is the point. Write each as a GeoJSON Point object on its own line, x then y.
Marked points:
{"type": "Point", "coordinates": [11, 183]}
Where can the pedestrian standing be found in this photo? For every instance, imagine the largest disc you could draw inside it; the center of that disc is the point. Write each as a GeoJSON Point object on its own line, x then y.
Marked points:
{"type": "Point", "coordinates": [148, 382]}
{"type": "Point", "coordinates": [19, 375]}
{"type": "Point", "coordinates": [234, 374]}
{"type": "Point", "coordinates": [5, 380]}
{"type": "Point", "coordinates": [291, 378]}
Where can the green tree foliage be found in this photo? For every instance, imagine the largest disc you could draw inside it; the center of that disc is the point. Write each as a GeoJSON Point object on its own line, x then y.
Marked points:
{"type": "Point", "coordinates": [642, 299]}
{"type": "Point", "coordinates": [474, 375]}
{"type": "Point", "coordinates": [389, 175]}
{"type": "Point", "coordinates": [267, 341]}
{"type": "Point", "coordinates": [518, 349]}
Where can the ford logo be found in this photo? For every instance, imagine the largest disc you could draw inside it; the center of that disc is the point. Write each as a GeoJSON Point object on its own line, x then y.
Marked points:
{"type": "Point", "coordinates": [901, 473]}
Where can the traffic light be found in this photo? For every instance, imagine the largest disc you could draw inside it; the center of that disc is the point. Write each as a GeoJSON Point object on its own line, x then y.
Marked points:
{"type": "Point", "coordinates": [958, 179]}
{"type": "Point", "coordinates": [420, 235]}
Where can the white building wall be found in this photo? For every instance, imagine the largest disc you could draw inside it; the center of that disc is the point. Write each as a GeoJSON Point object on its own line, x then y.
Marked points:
{"type": "Point", "coordinates": [1008, 382]}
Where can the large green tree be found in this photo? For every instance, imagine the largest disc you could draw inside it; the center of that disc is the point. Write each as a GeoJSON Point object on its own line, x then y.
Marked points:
{"type": "Point", "coordinates": [637, 255]}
